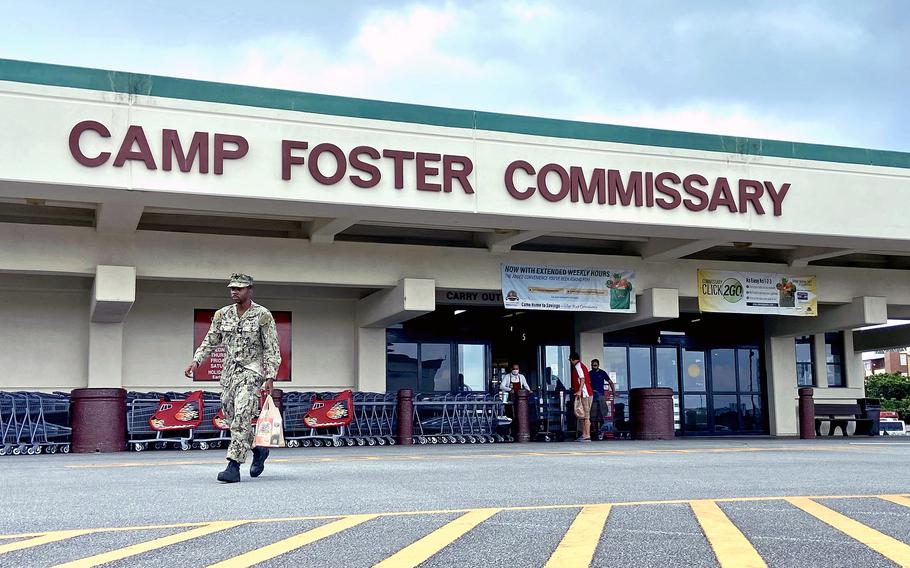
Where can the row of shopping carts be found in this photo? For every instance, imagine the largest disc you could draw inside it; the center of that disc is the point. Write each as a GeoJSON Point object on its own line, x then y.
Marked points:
{"type": "Point", "coordinates": [340, 419]}
{"type": "Point", "coordinates": [463, 418]}
{"type": "Point", "coordinates": [34, 423]}
{"type": "Point", "coordinates": [199, 422]}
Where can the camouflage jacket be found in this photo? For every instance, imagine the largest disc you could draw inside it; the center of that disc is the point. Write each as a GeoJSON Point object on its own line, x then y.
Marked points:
{"type": "Point", "coordinates": [250, 340]}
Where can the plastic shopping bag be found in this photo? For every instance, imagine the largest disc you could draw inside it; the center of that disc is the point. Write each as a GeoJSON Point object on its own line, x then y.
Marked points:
{"type": "Point", "coordinates": [579, 407]}
{"type": "Point", "coordinates": [269, 427]}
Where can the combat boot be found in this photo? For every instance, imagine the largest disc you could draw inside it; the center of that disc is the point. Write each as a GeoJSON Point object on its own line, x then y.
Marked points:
{"type": "Point", "coordinates": [231, 473]}
{"type": "Point", "coordinates": [259, 457]}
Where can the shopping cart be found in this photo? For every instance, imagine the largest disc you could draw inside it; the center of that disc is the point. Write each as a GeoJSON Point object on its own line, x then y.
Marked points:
{"type": "Point", "coordinates": [213, 430]}
{"type": "Point", "coordinates": [458, 418]}
{"type": "Point", "coordinates": [322, 419]}
{"type": "Point", "coordinates": [549, 415]}
{"type": "Point", "coordinates": [151, 418]}
{"type": "Point", "coordinates": [33, 423]}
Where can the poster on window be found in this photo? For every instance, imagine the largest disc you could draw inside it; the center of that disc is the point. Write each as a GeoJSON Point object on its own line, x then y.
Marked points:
{"type": "Point", "coordinates": [757, 293]}
{"type": "Point", "coordinates": [210, 369]}
{"type": "Point", "coordinates": [565, 288]}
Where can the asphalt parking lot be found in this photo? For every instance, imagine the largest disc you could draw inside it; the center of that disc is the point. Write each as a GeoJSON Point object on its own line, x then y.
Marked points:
{"type": "Point", "coordinates": [732, 502]}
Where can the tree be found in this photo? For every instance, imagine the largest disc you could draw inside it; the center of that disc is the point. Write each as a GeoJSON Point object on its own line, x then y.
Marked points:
{"type": "Point", "coordinates": [892, 389]}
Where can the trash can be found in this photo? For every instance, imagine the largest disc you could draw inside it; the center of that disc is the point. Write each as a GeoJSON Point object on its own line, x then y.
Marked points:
{"type": "Point", "coordinates": [652, 413]}
{"type": "Point", "coordinates": [871, 408]}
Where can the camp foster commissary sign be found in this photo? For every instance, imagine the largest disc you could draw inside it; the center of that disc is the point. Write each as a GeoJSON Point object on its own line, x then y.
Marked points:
{"type": "Point", "coordinates": [364, 166]}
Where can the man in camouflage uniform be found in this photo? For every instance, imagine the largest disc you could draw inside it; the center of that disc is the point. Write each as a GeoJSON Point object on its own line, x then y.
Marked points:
{"type": "Point", "coordinates": [247, 331]}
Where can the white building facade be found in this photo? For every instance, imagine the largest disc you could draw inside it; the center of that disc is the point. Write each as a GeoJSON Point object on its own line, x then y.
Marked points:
{"type": "Point", "coordinates": [379, 229]}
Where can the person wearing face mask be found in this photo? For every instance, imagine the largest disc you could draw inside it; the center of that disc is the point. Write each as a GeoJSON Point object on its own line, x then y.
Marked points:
{"type": "Point", "coordinates": [514, 381]}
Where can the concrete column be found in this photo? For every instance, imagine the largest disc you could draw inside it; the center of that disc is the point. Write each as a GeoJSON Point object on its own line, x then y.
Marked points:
{"type": "Point", "coordinates": [821, 368]}
{"type": "Point", "coordinates": [113, 294]}
{"type": "Point", "coordinates": [780, 363]}
{"type": "Point", "coordinates": [371, 358]}
{"type": "Point", "coordinates": [854, 375]}
{"type": "Point", "coordinates": [590, 345]}
{"type": "Point", "coordinates": [105, 355]}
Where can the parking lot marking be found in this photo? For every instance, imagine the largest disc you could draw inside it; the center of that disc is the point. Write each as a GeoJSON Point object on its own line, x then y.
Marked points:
{"type": "Point", "coordinates": [150, 545]}
{"type": "Point", "coordinates": [898, 499]}
{"type": "Point", "coordinates": [420, 551]}
{"type": "Point", "coordinates": [730, 545]}
{"type": "Point", "coordinates": [40, 540]}
{"type": "Point", "coordinates": [885, 545]}
{"type": "Point", "coordinates": [481, 456]}
{"type": "Point", "coordinates": [293, 543]}
{"type": "Point", "coordinates": [579, 543]}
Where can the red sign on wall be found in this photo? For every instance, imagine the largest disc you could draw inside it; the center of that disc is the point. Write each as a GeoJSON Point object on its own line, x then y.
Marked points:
{"type": "Point", "coordinates": [210, 369]}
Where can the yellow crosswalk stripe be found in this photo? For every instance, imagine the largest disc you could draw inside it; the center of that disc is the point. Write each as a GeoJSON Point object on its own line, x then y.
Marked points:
{"type": "Point", "coordinates": [39, 540]}
{"type": "Point", "coordinates": [897, 499]}
{"type": "Point", "coordinates": [888, 547]}
{"type": "Point", "coordinates": [731, 547]}
{"type": "Point", "coordinates": [150, 545]}
{"type": "Point", "coordinates": [423, 549]}
{"type": "Point", "coordinates": [578, 545]}
{"type": "Point", "coordinates": [293, 543]}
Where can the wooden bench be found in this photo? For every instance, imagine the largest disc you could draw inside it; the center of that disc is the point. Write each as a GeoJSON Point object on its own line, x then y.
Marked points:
{"type": "Point", "coordinates": [840, 415]}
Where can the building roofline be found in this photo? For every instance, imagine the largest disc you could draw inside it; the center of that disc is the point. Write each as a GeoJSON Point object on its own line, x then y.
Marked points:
{"type": "Point", "coordinates": [259, 97]}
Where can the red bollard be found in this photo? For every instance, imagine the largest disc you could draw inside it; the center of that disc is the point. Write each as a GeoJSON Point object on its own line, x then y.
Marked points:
{"type": "Point", "coordinates": [98, 418]}
{"type": "Point", "coordinates": [806, 414]}
{"type": "Point", "coordinates": [405, 417]}
{"type": "Point", "coordinates": [523, 430]}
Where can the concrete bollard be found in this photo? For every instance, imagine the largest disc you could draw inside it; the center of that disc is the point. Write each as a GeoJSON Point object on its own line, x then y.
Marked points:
{"type": "Point", "coordinates": [523, 428]}
{"type": "Point", "coordinates": [806, 414]}
{"type": "Point", "coordinates": [405, 417]}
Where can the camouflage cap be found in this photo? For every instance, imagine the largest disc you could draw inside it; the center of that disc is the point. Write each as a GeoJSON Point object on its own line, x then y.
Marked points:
{"type": "Point", "coordinates": [239, 280]}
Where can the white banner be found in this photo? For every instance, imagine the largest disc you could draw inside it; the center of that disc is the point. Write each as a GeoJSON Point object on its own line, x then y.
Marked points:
{"type": "Point", "coordinates": [757, 293]}
{"type": "Point", "coordinates": [566, 288]}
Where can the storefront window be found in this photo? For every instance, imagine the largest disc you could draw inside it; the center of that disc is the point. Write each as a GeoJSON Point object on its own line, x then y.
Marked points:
{"type": "Point", "coordinates": [834, 358]}
{"type": "Point", "coordinates": [748, 363]}
{"type": "Point", "coordinates": [401, 366]}
{"type": "Point", "coordinates": [556, 366]}
{"type": "Point", "coordinates": [471, 367]}
{"type": "Point", "coordinates": [805, 361]}
{"type": "Point", "coordinates": [752, 412]}
{"type": "Point", "coordinates": [726, 413]}
{"type": "Point", "coordinates": [615, 362]}
{"type": "Point", "coordinates": [693, 371]}
{"type": "Point", "coordinates": [667, 368]}
{"type": "Point", "coordinates": [640, 366]}
{"type": "Point", "coordinates": [435, 367]}
{"type": "Point", "coordinates": [696, 412]}
{"type": "Point", "coordinates": [723, 370]}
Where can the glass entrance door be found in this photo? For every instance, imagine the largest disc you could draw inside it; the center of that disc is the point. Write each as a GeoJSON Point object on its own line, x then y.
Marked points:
{"type": "Point", "coordinates": [554, 367]}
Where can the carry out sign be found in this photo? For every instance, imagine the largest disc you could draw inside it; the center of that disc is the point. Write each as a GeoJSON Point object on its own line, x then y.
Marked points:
{"type": "Point", "coordinates": [757, 293]}
{"type": "Point", "coordinates": [566, 288]}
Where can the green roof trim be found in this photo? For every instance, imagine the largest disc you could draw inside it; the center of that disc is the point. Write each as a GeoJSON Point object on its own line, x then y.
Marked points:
{"type": "Point", "coordinates": [206, 91]}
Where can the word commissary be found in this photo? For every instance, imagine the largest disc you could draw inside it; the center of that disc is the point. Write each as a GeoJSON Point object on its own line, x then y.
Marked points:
{"type": "Point", "coordinates": [666, 190]}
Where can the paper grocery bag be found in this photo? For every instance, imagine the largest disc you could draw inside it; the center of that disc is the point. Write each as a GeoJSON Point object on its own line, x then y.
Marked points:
{"type": "Point", "coordinates": [269, 429]}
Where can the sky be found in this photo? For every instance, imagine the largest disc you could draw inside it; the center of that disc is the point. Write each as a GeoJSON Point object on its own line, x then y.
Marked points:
{"type": "Point", "coordinates": [827, 71]}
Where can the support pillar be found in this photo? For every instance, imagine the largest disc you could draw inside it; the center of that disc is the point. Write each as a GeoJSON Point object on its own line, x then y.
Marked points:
{"type": "Point", "coordinates": [780, 364]}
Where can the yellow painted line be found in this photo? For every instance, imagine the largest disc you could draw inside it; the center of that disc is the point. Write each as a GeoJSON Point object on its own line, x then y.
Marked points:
{"type": "Point", "coordinates": [129, 551]}
{"type": "Point", "coordinates": [578, 545]}
{"type": "Point", "coordinates": [437, 512]}
{"type": "Point", "coordinates": [898, 499]}
{"type": "Point", "coordinates": [293, 543]}
{"type": "Point", "coordinates": [730, 545]}
{"type": "Point", "coordinates": [414, 554]}
{"type": "Point", "coordinates": [885, 545]}
{"type": "Point", "coordinates": [479, 456]}
{"type": "Point", "coordinates": [42, 539]}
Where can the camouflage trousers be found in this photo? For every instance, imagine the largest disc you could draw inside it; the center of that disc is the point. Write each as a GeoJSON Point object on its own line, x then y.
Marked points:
{"type": "Point", "coordinates": [240, 401]}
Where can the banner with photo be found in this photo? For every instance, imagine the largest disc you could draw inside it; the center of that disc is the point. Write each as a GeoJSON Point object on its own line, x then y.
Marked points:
{"type": "Point", "coordinates": [757, 293]}
{"type": "Point", "coordinates": [565, 288]}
